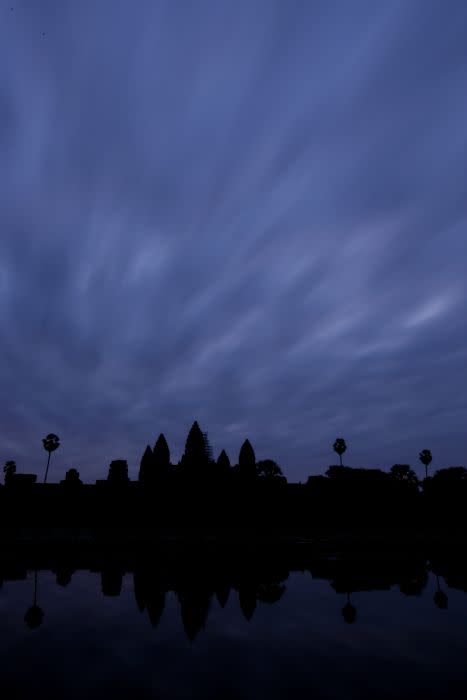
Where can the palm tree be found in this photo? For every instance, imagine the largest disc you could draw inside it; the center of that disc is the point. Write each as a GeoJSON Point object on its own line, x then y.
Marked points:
{"type": "Point", "coordinates": [425, 458]}
{"type": "Point", "coordinates": [340, 447]}
{"type": "Point", "coordinates": [403, 473]}
{"type": "Point", "coordinates": [51, 442]}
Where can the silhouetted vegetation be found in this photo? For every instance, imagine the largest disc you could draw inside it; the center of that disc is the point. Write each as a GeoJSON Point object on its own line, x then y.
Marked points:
{"type": "Point", "coordinates": [50, 443]}
{"type": "Point", "coordinates": [268, 469]}
{"type": "Point", "coordinates": [34, 615]}
{"type": "Point", "coordinates": [403, 474]}
{"type": "Point", "coordinates": [340, 447]}
{"type": "Point", "coordinates": [425, 458]}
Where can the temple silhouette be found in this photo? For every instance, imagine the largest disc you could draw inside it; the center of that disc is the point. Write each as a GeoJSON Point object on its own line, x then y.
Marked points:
{"type": "Point", "coordinates": [201, 494]}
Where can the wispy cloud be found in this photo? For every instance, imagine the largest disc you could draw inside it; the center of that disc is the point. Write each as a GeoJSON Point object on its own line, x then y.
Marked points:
{"type": "Point", "coordinates": [253, 215]}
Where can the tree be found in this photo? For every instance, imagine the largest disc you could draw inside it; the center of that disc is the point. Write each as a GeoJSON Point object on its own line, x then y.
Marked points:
{"type": "Point", "coordinates": [9, 470]}
{"type": "Point", "coordinates": [340, 447]}
{"type": "Point", "coordinates": [247, 460]}
{"type": "Point", "coordinates": [403, 473]}
{"type": "Point", "coordinates": [50, 443]}
{"type": "Point", "coordinates": [34, 616]}
{"type": "Point", "coordinates": [268, 469]}
{"type": "Point", "coordinates": [118, 471]}
{"type": "Point", "coordinates": [451, 476]}
{"type": "Point", "coordinates": [72, 477]}
{"type": "Point", "coordinates": [425, 458]}
{"type": "Point", "coordinates": [146, 466]}
{"type": "Point", "coordinates": [337, 472]}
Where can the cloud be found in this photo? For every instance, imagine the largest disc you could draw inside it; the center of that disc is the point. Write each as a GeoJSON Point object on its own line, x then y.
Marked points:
{"type": "Point", "coordinates": [253, 216]}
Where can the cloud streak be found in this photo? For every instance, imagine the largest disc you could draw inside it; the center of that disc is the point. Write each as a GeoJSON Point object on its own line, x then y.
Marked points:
{"type": "Point", "coordinates": [252, 216]}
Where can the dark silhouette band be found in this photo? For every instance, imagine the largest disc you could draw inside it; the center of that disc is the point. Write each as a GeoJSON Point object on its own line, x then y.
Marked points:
{"type": "Point", "coordinates": [198, 576]}
{"type": "Point", "coordinates": [200, 492]}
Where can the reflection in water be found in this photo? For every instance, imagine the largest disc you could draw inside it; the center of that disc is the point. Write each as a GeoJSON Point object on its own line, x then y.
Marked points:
{"type": "Point", "coordinates": [111, 582]}
{"type": "Point", "coordinates": [349, 611]}
{"type": "Point", "coordinates": [34, 614]}
{"type": "Point", "coordinates": [232, 622]}
{"type": "Point", "coordinates": [63, 576]}
{"type": "Point", "coordinates": [197, 578]}
{"type": "Point", "coordinates": [440, 597]}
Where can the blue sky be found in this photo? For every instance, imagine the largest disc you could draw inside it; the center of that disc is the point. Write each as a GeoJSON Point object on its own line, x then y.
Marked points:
{"type": "Point", "coordinates": [251, 214]}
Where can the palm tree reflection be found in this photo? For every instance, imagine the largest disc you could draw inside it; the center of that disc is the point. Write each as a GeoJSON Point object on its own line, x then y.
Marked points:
{"type": "Point", "coordinates": [34, 615]}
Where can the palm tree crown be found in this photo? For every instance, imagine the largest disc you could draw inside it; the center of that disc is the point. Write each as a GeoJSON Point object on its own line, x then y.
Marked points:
{"type": "Point", "coordinates": [425, 458]}
{"type": "Point", "coordinates": [51, 442]}
{"type": "Point", "coordinates": [340, 447]}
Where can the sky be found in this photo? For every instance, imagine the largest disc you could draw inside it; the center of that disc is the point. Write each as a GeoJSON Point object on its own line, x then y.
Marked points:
{"type": "Point", "coordinates": [249, 214]}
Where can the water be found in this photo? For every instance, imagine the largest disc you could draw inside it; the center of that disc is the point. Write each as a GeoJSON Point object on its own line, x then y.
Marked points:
{"type": "Point", "coordinates": [95, 645]}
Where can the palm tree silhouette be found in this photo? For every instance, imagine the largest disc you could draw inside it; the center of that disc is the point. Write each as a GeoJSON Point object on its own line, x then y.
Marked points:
{"type": "Point", "coordinates": [34, 614]}
{"type": "Point", "coordinates": [340, 447]}
{"type": "Point", "coordinates": [51, 442]}
{"type": "Point", "coordinates": [425, 458]}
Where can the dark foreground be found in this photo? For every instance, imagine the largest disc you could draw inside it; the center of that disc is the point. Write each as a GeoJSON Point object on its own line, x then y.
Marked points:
{"type": "Point", "coordinates": [226, 615]}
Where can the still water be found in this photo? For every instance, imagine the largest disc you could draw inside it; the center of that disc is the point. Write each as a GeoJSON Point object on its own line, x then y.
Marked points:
{"type": "Point", "coordinates": [298, 638]}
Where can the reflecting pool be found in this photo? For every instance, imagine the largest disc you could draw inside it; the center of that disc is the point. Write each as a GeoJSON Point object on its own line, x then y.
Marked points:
{"type": "Point", "coordinates": [353, 629]}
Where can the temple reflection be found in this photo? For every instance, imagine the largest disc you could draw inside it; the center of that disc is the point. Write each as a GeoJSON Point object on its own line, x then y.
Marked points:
{"type": "Point", "coordinates": [198, 579]}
